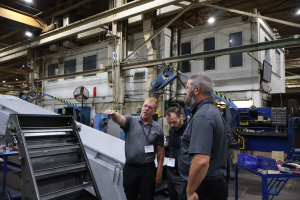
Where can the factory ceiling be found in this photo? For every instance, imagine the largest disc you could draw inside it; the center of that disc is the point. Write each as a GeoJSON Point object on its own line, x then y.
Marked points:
{"type": "Point", "coordinates": [53, 11]}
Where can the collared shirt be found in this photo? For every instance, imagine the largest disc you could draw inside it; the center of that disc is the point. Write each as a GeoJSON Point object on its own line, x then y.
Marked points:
{"type": "Point", "coordinates": [205, 134]}
{"type": "Point", "coordinates": [135, 139]}
{"type": "Point", "coordinates": [174, 143]}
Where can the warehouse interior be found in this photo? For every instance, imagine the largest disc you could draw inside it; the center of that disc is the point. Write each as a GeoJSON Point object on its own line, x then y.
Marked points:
{"type": "Point", "coordinates": [68, 61]}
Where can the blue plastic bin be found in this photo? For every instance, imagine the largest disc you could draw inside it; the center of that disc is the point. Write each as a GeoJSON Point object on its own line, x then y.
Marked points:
{"type": "Point", "coordinates": [267, 163]}
{"type": "Point", "coordinates": [247, 161]}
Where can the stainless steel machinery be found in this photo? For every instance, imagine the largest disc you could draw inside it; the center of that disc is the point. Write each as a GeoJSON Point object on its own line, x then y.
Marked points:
{"type": "Point", "coordinates": [104, 154]}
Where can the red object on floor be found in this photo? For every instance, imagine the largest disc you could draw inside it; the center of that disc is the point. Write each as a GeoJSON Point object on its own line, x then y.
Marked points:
{"type": "Point", "coordinates": [15, 148]}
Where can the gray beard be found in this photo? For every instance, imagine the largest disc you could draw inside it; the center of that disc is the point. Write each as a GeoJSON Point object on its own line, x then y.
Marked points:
{"type": "Point", "coordinates": [190, 101]}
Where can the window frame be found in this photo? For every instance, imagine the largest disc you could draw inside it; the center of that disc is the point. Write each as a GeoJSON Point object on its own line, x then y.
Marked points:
{"type": "Point", "coordinates": [243, 62]}
{"type": "Point", "coordinates": [95, 62]}
{"type": "Point", "coordinates": [269, 50]}
{"type": "Point", "coordinates": [49, 70]}
{"type": "Point", "coordinates": [210, 50]}
{"type": "Point", "coordinates": [279, 54]}
{"type": "Point", "coordinates": [70, 78]}
{"type": "Point", "coordinates": [190, 62]}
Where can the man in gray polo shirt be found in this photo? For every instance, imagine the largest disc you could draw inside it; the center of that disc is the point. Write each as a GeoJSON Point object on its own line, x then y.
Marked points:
{"type": "Point", "coordinates": [143, 139]}
{"type": "Point", "coordinates": [203, 150]}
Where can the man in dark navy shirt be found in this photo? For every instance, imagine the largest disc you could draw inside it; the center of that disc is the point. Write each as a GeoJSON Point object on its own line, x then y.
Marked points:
{"type": "Point", "coordinates": [176, 184]}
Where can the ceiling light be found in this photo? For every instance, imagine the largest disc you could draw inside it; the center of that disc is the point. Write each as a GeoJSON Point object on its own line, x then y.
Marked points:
{"type": "Point", "coordinates": [211, 20]}
{"type": "Point", "coordinates": [16, 79]}
{"type": "Point", "coordinates": [28, 34]}
{"type": "Point", "coordinates": [298, 12]}
{"type": "Point", "coordinates": [23, 65]}
{"type": "Point", "coordinates": [30, 1]}
{"type": "Point", "coordinates": [3, 81]}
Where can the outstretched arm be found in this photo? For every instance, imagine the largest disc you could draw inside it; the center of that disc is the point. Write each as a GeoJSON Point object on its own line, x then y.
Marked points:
{"type": "Point", "coordinates": [116, 117]}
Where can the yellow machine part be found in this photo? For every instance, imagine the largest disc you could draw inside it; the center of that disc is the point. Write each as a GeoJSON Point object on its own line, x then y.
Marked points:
{"type": "Point", "coordinates": [242, 142]}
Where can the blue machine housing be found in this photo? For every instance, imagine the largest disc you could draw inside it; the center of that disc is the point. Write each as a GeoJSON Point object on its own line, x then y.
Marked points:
{"type": "Point", "coordinates": [264, 135]}
{"type": "Point", "coordinates": [101, 122]}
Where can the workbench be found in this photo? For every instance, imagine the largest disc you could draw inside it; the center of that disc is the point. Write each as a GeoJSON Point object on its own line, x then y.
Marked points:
{"type": "Point", "coordinates": [277, 180]}
{"type": "Point", "coordinates": [7, 167]}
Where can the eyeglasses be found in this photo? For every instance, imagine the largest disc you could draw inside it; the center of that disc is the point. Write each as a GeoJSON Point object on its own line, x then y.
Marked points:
{"type": "Point", "coordinates": [187, 87]}
{"type": "Point", "coordinates": [146, 106]}
{"type": "Point", "coordinates": [170, 123]}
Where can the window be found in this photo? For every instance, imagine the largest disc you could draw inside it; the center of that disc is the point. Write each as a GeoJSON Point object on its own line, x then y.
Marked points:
{"type": "Point", "coordinates": [236, 59]}
{"type": "Point", "coordinates": [89, 62]}
{"type": "Point", "coordinates": [53, 69]}
{"type": "Point", "coordinates": [89, 75]}
{"type": "Point", "coordinates": [70, 67]}
{"type": "Point", "coordinates": [209, 63]}
{"type": "Point", "coordinates": [186, 49]}
{"type": "Point", "coordinates": [267, 53]}
{"type": "Point", "coordinates": [277, 62]}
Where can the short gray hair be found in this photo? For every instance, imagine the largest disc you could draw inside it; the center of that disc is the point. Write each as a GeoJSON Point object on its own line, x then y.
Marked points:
{"type": "Point", "coordinates": [204, 82]}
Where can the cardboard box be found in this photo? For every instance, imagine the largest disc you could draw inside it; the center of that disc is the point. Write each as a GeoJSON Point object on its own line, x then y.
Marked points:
{"type": "Point", "coordinates": [260, 118]}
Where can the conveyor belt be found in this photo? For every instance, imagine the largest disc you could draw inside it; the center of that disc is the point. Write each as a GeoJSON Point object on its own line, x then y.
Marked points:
{"type": "Point", "coordinates": [54, 162]}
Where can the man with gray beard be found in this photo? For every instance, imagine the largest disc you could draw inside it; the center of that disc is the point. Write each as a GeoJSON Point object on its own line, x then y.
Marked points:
{"type": "Point", "coordinates": [203, 151]}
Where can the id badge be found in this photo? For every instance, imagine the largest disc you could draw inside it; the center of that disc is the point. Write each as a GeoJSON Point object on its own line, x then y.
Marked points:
{"type": "Point", "coordinates": [149, 149]}
{"type": "Point", "coordinates": [171, 162]}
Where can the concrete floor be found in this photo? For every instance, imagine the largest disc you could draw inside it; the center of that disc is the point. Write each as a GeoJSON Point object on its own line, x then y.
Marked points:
{"type": "Point", "coordinates": [249, 187]}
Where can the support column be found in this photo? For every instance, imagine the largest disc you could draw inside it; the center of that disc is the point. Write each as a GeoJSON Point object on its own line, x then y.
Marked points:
{"type": "Point", "coordinates": [34, 69]}
{"type": "Point", "coordinates": [148, 24]}
{"type": "Point", "coordinates": [117, 49]}
{"type": "Point", "coordinates": [174, 53]}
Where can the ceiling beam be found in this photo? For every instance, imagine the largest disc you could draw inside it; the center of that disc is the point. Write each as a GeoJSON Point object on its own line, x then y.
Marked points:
{"type": "Point", "coordinates": [12, 83]}
{"type": "Point", "coordinates": [63, 11]}
{"type": "Point", "coordinates": [22, 17]}
{"type": "Point", "coordinates": [120, 13]}
{"type": "Point", "coordinates": [11, 33]}
{"type": "Point", "coordinates": [253, 15]}
{"type": "Point", "coordinates": [14, 71]}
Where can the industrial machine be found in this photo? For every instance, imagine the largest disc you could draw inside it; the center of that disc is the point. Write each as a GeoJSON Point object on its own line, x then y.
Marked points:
{"type": "Point", "coordinates": [53, 159]}
{"type": "Point", "coordinates": [261, 129]}
{"type": "Point", "coordinates": [159, 83]}
{"type": "Point", "coordinates": [104, 153]}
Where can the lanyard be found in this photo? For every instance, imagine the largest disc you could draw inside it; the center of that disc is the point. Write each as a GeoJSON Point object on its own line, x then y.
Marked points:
{"type": "Point", "coordinates": [148, 132]}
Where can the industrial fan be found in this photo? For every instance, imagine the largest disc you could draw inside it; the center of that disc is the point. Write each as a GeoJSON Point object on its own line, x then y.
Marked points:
{"type": "Point", "coordinates": [81, 94]}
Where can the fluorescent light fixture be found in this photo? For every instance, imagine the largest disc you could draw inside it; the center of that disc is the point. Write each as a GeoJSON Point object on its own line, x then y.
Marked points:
{"type": "Point", "coordinates": [29, 1]}
{"type": "Point", "coordinates": [243, 103]}
{"type": "Point", "coordinates": [16, 79]}
{"type": "Point", "coordinates": [211, 20]}
{"type": "Point", "coordinates": [28, 34]}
